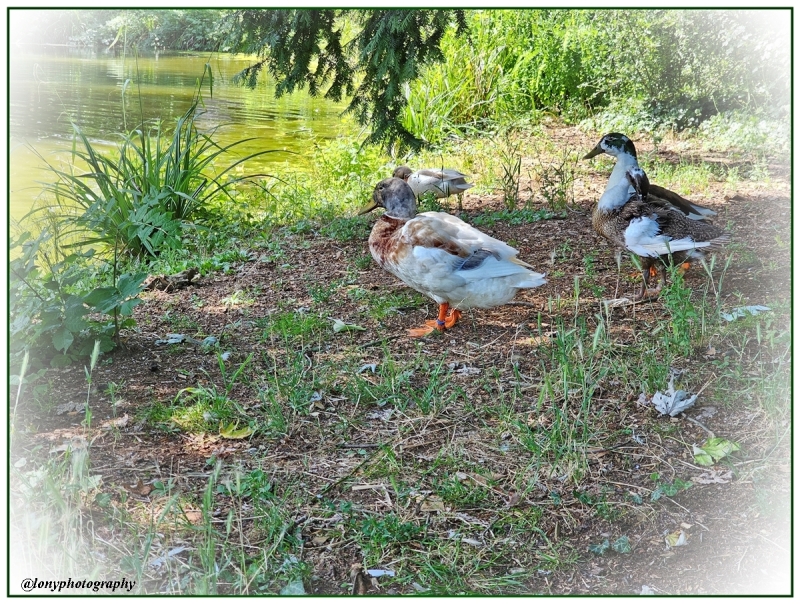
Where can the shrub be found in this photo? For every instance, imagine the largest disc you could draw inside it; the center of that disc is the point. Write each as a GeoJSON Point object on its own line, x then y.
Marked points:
{"type": "Point", "coordinates": [137, 200]}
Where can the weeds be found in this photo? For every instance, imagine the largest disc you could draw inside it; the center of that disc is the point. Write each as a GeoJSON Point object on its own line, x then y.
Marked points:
{"type": "Point", "coordinates": [509, 152]}
{"type": "Point", "coordinates": [557, 180]}
{"type": "Point", "coordinates": [461, 464]}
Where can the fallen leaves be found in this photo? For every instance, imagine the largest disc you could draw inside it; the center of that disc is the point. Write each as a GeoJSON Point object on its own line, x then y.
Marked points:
{"type": "Point", "coordinates": [714, 477]}
{"type": "Point", "coordinates": [339, 325]}
{"type": "Point", "coordinates": [676, 538]}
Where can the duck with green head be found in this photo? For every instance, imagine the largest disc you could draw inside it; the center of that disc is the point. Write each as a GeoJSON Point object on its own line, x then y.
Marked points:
{"type": "Point", "coordinates": [620, 146]}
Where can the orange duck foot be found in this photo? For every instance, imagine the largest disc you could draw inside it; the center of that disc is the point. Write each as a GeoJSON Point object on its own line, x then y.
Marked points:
{"type": "Point", "coordinates": [446, 320]}
{"type": "Point", "coordinates": [453, 316]}
{"type": "Point", "coordinates": [653, 273]}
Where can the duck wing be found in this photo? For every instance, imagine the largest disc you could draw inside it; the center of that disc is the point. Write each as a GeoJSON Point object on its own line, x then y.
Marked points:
{"type": "Point", "coordinates": [652, 230]}
{"type": "Point", "coordinates": [441, 182]}
{"type": "Point", "coordinates": [463, 234]}
{"type": "Point", "coordinates": [665, 197]}
{"type": "Point", "coordinates": [446, 252]}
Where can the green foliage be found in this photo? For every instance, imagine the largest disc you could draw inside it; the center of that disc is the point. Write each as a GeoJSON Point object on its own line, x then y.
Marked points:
{"type": "Point", "coordinates": [340, 178]}
{"type": "Point", "coordinates": [632, 70]}
{"type": "Point", "coordinates": [510, 157]}
{"type": "Point", "coordinates": [49, 305]}
{"type": "Point", "coordinates": [143, 29]}
{"type": "Point", "coordinates": [685, 327]}
{"type": "Point", "coordinates": [669, 489]}
{"type": "Point", "coordinates": [137, 200]}
{"type": "Point", "coordinates": [557, 180]}
{"type": "Point", "coordinates": [309, 48]}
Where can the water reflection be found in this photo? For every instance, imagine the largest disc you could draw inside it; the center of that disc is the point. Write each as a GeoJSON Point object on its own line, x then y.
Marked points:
{"type": "Point", "coordinates": [52, 86]}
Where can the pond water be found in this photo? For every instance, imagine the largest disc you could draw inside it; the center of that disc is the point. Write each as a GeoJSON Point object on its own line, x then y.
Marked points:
{"type": "Point", "coordinates": [49, 86]}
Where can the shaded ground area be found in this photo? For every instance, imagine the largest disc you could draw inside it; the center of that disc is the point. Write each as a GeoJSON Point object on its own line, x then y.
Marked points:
{"type": "Point", "coordinates": [452, 437]}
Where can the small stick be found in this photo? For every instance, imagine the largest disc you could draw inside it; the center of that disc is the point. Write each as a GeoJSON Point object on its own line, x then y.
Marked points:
{"type": "Point", "coordinates": [379, 341]}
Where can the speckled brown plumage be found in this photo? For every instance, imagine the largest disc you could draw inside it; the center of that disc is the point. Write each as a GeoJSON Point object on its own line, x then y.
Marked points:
{"type": "Point", "coordinates": [614, 223]}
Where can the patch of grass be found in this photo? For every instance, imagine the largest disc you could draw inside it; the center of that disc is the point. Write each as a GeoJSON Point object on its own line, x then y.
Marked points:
{"type": "Point", "coordinates": [180, 322]}
{"type": "Point", "coordinates": [686, 178]}
{"type": "Point", "coordinates": [363, 262]}
{"type": "Point", "coordinates": [291, 387]}
{"type": "Point", "coordinates": [291, 325]}
{"type": "Point", "coordinates": [557, 180]}
{"type": "Point", "coordinates": [379, 305]}
{"type": "Point", "coordinates": [350, 228]}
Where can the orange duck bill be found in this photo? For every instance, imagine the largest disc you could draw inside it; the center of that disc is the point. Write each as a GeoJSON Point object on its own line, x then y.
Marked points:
{"type": "Point", "coordinates": [446, 319]}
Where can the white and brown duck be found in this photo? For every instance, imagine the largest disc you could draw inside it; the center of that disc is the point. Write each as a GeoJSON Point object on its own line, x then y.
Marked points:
{"type": "Point", "coordinates": [442, 183]}
{"type": "Point", "coordinates": [443, 257]}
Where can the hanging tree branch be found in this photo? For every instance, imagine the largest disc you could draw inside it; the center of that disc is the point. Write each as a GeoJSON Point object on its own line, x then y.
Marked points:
{"type": "Point", "coordinates": [306, 48]}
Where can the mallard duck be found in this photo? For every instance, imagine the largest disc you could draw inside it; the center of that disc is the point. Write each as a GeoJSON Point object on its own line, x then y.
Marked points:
{"type": "Point", "coordinates": [443, 257]}
{"type": "Point", "coordinates": [625, 216]}
{"type": "Point", "coordinates": [620, 146]}
{"type": "Point", "coordinates": [442, 183]}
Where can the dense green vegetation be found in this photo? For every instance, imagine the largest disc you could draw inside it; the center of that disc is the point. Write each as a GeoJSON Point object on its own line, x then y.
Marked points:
{"type": "Point", "coordinates": [641, 70]}
{"type": "Point", "coordinates": [421, 75]}
{"type": "Point", "coordinates": [165, 202]}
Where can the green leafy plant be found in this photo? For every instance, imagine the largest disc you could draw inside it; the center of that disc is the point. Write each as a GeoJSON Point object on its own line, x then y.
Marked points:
{"type": "Point", "coordinates": [668, 488]}
{"type": "Point", "coordinates": [49, 305]}
{"type": "Point", "coordinates": [556, 181]}
{"type": "Point", "coordinates": [137, 199]}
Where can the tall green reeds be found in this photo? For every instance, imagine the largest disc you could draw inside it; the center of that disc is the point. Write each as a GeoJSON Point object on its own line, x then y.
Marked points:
{"type": "Point", "coordinates": [137, 198]}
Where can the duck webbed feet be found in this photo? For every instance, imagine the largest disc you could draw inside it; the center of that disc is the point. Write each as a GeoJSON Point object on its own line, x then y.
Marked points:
{"type": "Point", "coordinates": [447, 318]}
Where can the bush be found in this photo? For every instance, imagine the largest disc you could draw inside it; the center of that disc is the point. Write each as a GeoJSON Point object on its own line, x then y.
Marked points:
{"type": "Point", "coordinates": [49, 308]}
{"type": "Point", "coordinates": [137, 200]}
{"type": "Point", "coordinates": [654, 68]}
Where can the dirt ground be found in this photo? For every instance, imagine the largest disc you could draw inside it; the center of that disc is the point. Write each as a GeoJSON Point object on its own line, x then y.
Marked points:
{"type": "Point", "coordinates": [737, 524]}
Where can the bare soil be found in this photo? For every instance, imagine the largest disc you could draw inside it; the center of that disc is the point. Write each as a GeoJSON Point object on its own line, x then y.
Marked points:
{"type": "Point", "coordinates": [737, 528]}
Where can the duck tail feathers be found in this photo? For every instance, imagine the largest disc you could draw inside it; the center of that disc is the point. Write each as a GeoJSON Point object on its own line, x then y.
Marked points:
{"type": "Point", "coordinates": [532, 280]}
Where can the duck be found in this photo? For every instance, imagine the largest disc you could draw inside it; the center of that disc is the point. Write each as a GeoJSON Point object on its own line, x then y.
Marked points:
{"type": "Point", "coordinates": [443, 257]}
{"type": "Point", "coordinates": [442, 183]}
{"type": "Point", "coordinates": [658, 235]}
{"type": "Point", "coordinates": [620, 146]}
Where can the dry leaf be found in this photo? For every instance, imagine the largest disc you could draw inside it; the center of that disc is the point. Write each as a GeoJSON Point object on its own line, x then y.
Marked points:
{"type": "Point", "coordinates": [193, 516]}
{"type": "Point", "coordinates": [141, 489]}
{"type": "Point", "coordinates": [676, 539]}
{"type": "Point", "coordinates": [432, 504]}
{"type": "Point", "coordinates": [70, 407]}
{"type": "Point", "coordinates": [119, 422]}
{"type": "Point", "coordinates": [713, 477]}
{"type": "Point", "coordinates": [674, 401]}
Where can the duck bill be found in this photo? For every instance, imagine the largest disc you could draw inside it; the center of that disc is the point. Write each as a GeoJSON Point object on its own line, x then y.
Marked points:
{"type": "Point", "coordinates": [368, 208]}
{"type": "Point", "coordinates": [596, 151]}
